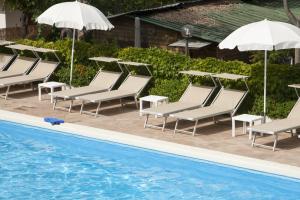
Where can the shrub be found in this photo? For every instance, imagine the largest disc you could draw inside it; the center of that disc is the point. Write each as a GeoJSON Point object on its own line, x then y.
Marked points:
{"type": "Point", "coordinates": [174, 88]}
{"type": "Point", "coordinates": [166, 66]}
{"type": "Point", "coordinates": [84, 69]}
{"type": "Point", "coordinates": [274, 57]}
{"type": "Point", "coordinates": [276, 109]}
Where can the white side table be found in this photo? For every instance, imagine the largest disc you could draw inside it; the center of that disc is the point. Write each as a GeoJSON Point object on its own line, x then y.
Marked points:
{"type": "Point", "coordinates": [154, 101]}
{"type": "Point", "coordinates": [245, 118]}
{"type": "Point", "coordinates": [51, 86]}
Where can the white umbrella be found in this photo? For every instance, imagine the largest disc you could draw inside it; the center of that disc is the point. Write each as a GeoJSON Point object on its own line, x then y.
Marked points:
{"type": "Point", "coordinates": [264, 35]}
{"type": "Point", "coordinates": [75, 15]}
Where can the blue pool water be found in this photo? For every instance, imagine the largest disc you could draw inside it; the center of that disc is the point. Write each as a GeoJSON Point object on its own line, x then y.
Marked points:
{"type": "Point", "coordinates": [37, 163]}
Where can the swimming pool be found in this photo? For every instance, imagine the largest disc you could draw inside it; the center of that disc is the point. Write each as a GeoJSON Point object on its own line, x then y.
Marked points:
{"type": "Point", "coordinates": [38, 163]}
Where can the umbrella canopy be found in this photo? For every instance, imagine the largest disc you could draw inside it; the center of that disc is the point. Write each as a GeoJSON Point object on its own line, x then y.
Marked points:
{"type": "Point", "coordinates": [77, 16]}
{"type": "Point", "coordinates": [264, 35]}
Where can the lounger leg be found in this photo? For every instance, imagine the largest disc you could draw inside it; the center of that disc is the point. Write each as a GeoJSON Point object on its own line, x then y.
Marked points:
{"type": "Point", "coordinates": [275, 141]}
{"type": "Point", "coordinates": [244, 128]}
{"type": "Point", "coordinates": [7, 92]}
{"type": "Point", "coordinates": [70, 107]}
{"type": "Point", "coordinates": [82, 105]}
{"type": "Point", "coordinates": [98, 107]}
{"type": "Point", "coordinates": [121, 104]}
{"type": "Point", "coordinates": [293, 132]}
{"type": "Point", "coordinates": [136, 103]}
{"type": "Point", "coordinates": [253, 139]}
{"type": "Point", "coordinates": [54, 103]}
{"type": "Point", "coordinates": [164, 124]}
{"type": "Point", "coordinates": [146, 121]}
{"type": "Point", "coordinates": [215, 121]}
{"type": "Point", "coordinates": [176, 125]}
{"type": "Point", "coordinates": [233, 128]}
{"type": "Point", "coordinates": [195, 127]}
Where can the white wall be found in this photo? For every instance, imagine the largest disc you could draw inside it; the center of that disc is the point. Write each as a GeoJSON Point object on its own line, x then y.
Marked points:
{"type": "Point", "coordinates": [2, 20]}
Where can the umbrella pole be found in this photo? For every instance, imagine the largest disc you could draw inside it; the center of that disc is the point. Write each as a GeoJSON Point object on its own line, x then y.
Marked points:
{"type": "Point", "coordinates": [265, 85]}
{"type": "Point", "coordinates": [72, 58]}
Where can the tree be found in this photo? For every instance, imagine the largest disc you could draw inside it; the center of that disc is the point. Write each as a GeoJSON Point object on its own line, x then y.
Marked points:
{"type": "Point", "coordinates": [294, 20]}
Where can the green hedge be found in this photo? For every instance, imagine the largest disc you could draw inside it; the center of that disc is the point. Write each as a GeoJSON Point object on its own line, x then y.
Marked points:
{"type": "Point", "coordinates": [168, 82]}
{"type": "Point", "coordinates": [84, 69]}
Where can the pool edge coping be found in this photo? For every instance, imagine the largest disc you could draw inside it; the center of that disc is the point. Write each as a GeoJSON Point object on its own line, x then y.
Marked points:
{"type": "Point", "coordinates": [159, 145]}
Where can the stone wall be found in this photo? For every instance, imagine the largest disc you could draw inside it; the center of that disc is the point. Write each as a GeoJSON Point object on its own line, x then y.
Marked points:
{"type": "Point", "coordinates": [156, 36]}
{"type": "Point", "coordinates": [10, 33]}
{"type": "Point", "coordinates": [123, 33]}
{"type": "Point", "coordinates": [151, 36]}
{"type": "Point", "coordinates": [16, 33]}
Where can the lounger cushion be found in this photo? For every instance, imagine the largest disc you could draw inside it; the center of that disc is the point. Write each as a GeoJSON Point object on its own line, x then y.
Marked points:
{"type": "Point", "coordinates": [193, 97]}
{"type": "Point", "coordinates": [19, 80]}
{"type": "Point", "coordinates": [196, 94]}
{"type": "Point", "coordinates": [43, 69]}
{"type": "Point", "coordinates": [71, 93]}
{"type": "Point", "coordinates": [39, 73]}
{"type": "Point", "coordinates": [4, 60]}
{"type": "Point", "coordinates": [106, 96]}
{"type": "Point", "coordinates": [105, 79]}
{"type": "Point", "coordinates": [19, 67]}
{"type": "Point", "coordinates": [202, 113]}
{"type": "Point", "coordinates": [7, 74]}
{"type": "Point", "coordinates": [167, 109]}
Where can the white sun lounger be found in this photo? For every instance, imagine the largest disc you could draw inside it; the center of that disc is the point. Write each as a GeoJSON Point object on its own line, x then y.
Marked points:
{"type": "Point", "coordinates": [103, 81]}
{"type": "Point", "coordinates": [40, 73]}
{"type": "Point", "coordinates": [227, 101]}
{"type": "Point", "coordinates": [132, 86]}
{"type": "Point", "coordinates": [20, 66]}
{"type": "Point", "coordinates": [5, 59]}
{"type": "Point", "coordinates": [292, 122]}
{"type": "Point", "coordinates": [193, 97]}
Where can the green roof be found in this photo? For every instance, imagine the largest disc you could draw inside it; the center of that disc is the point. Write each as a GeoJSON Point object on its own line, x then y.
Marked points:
{"type": "Point", "coordinates": [229, 20]}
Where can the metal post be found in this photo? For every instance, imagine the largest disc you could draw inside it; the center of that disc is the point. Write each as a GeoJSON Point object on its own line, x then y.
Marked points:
{"type": "Point", "coordinates": [265, 85]}
{"type": "Point", "coordinates": [72, 58]}
{"type": "Point", "coordinates": [137, 32]}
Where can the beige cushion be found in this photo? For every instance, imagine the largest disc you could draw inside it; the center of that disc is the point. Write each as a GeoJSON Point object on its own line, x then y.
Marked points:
{"type": "Point", "coordinates": [43, 69]}
{"type": "Point", "coordinates": [4, 60]}
{"type": "Point", "coordinates": [134, 83]}
{"type": "Point", "coordinates": [105, 79]}
{"type": "Point", "coordinates": [19, 67]}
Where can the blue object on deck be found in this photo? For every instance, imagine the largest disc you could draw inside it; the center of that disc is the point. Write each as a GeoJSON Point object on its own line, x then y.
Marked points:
{"type": "Point", "coordinates": [53, 121]}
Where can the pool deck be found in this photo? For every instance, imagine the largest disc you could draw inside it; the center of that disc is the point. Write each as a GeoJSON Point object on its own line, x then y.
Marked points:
{"type": "Point", "coordinates": [216, 137]}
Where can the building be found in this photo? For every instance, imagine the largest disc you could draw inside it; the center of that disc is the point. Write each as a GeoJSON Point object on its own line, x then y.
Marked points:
{"type": "Point", "coordinates": [10, 23]}
{"type": "Point", "coordinates": [212, 21]}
